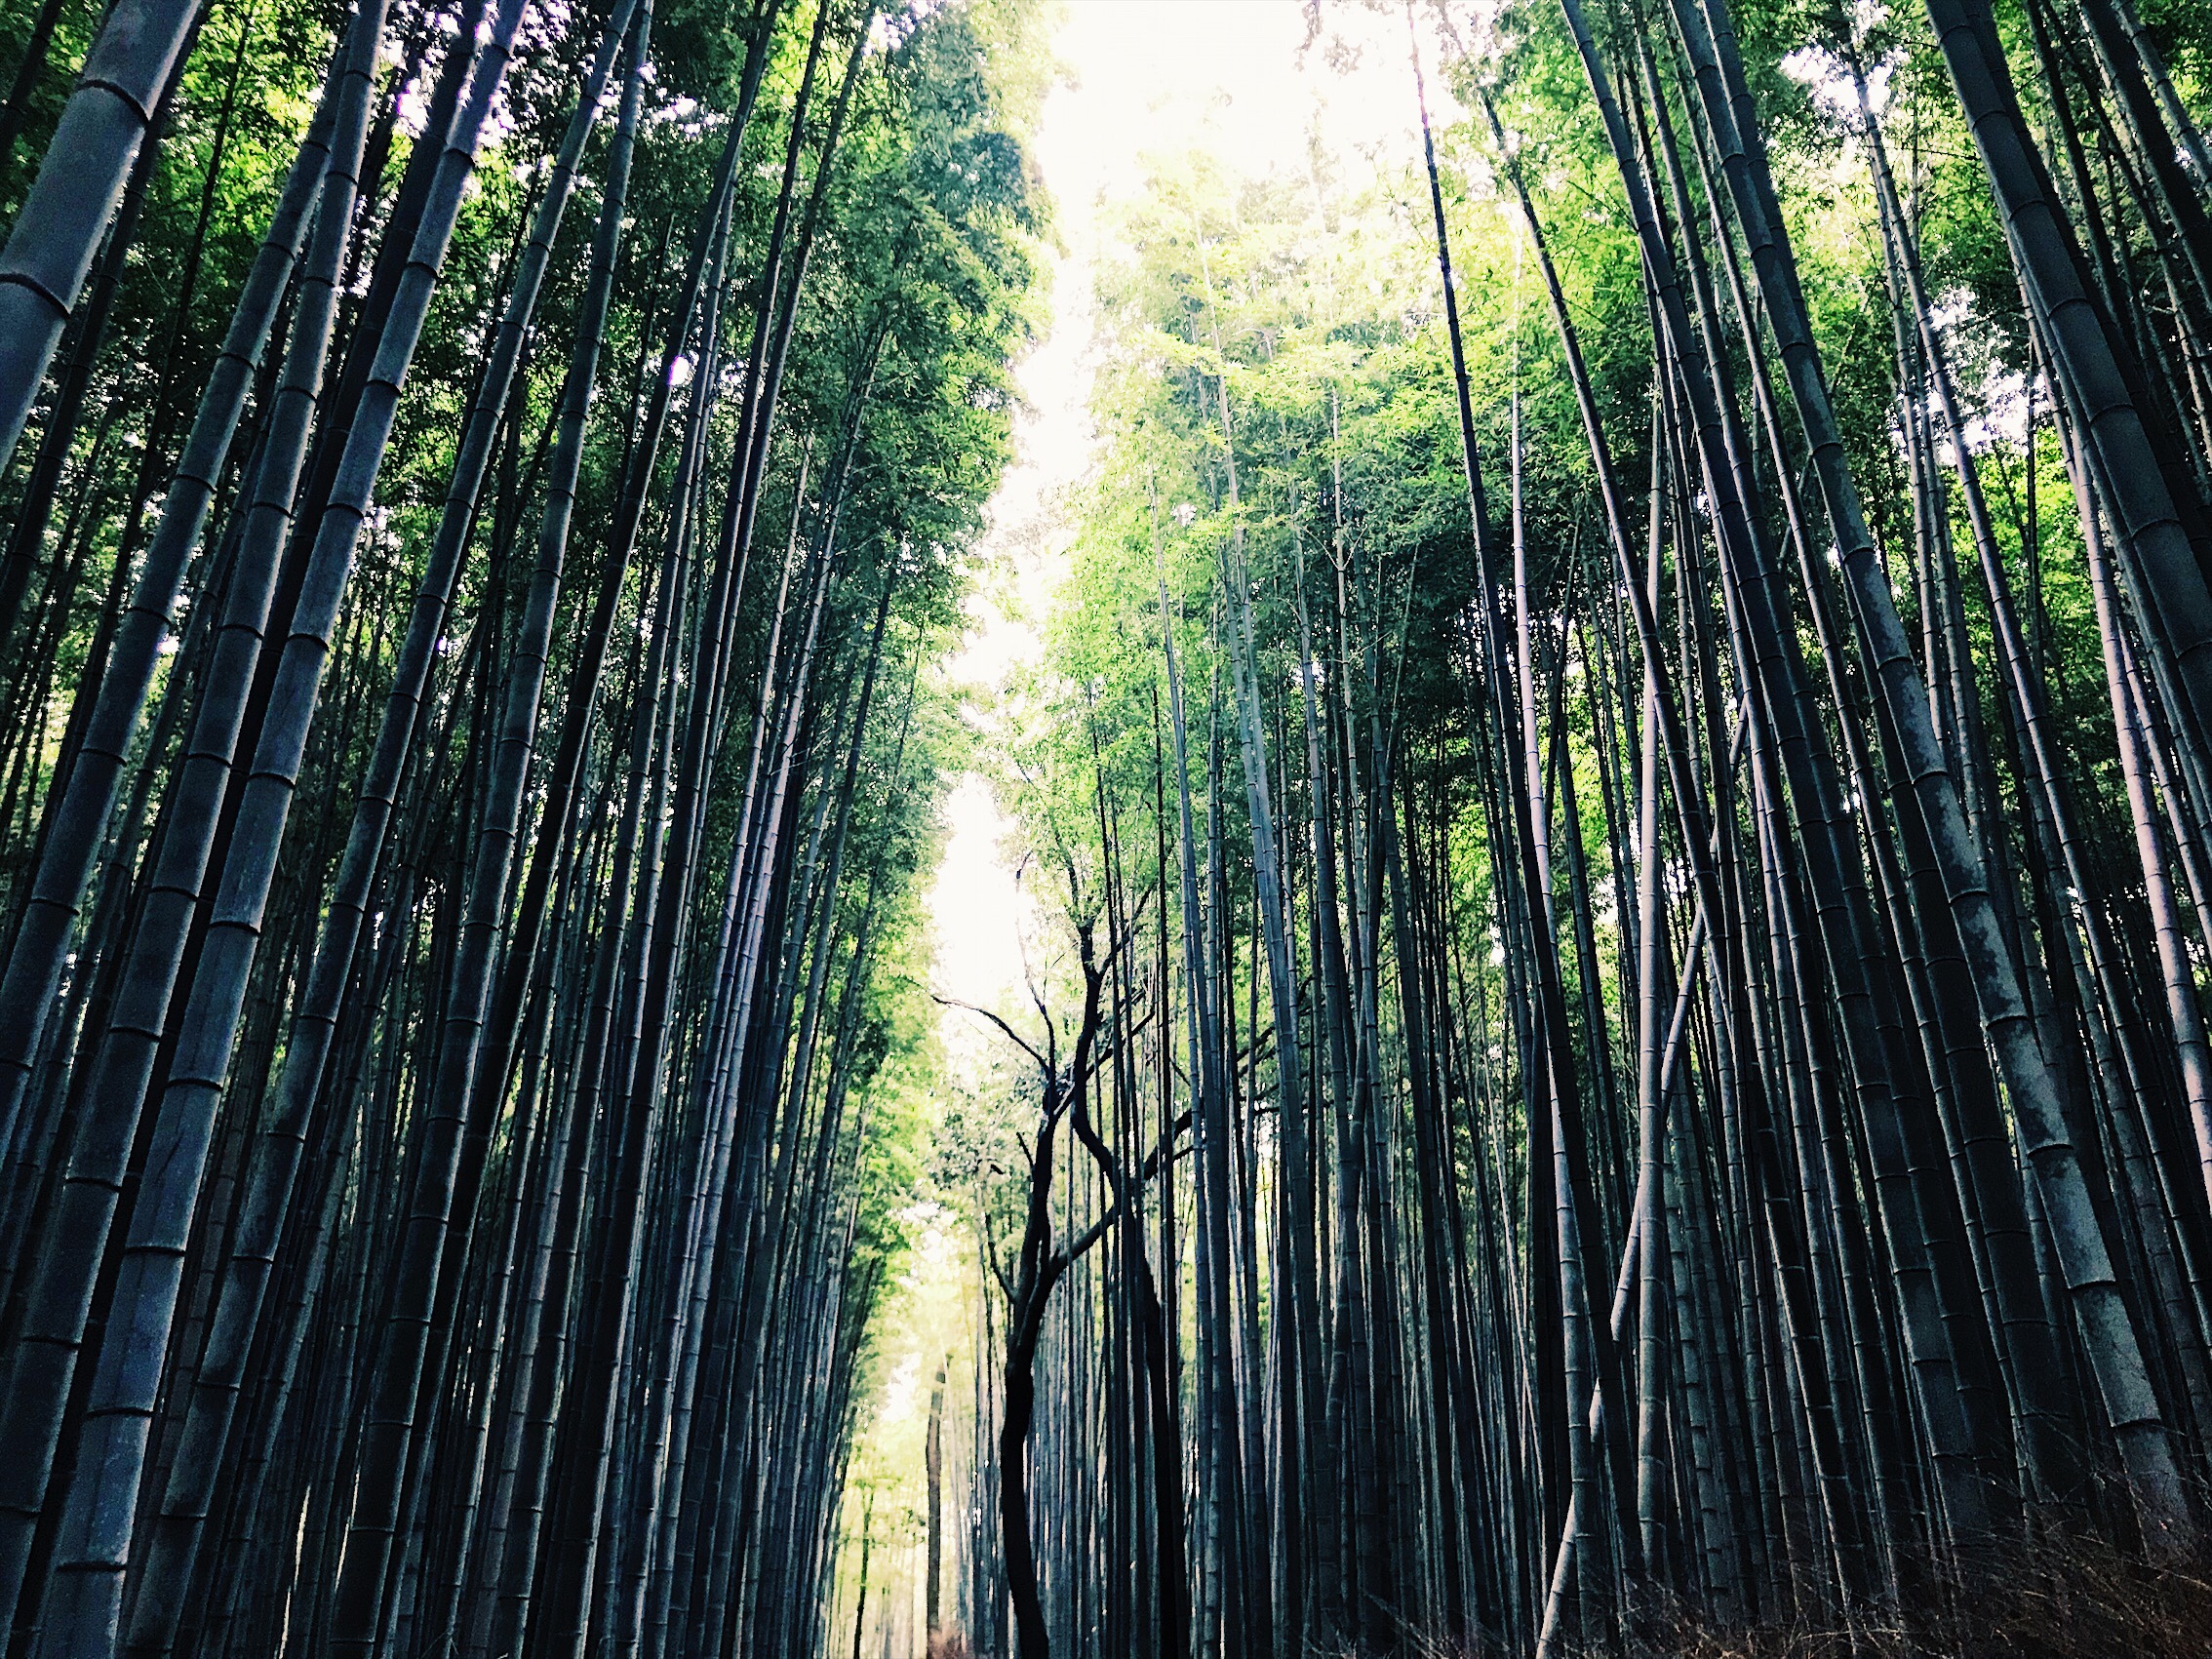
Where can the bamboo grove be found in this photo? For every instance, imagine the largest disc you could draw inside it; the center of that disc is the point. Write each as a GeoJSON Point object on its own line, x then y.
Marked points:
{"type": "Point", "coordinates": [487, 488]}
{"type": "Point", "coordinates": [1616, 806]}
{"type": "Point", "coordinates": [1614, 811]}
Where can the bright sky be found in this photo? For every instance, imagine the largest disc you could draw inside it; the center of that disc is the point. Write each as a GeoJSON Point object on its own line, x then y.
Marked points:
{"type": "Point", "coordinates": [1139, 77]}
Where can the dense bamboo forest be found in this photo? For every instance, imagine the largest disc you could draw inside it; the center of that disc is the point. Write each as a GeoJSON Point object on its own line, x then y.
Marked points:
{"type": "Point", "coordinates": [1609, 826]}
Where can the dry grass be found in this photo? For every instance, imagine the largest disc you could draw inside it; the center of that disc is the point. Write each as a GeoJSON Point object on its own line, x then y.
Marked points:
{"type": "Point", "coordinates": [2077, 1601]}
